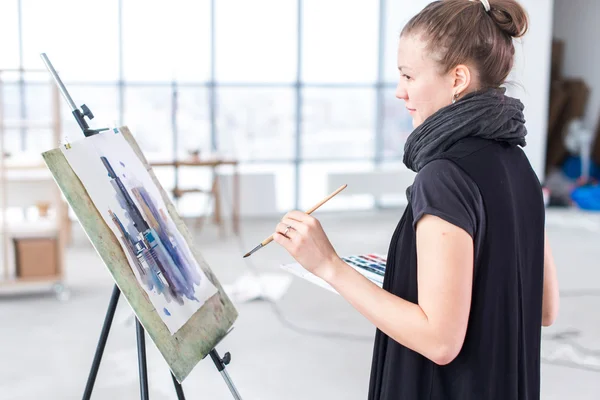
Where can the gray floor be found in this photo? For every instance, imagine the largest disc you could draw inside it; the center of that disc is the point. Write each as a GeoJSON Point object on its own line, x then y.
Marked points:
{"type": "Point", "coordinates": [47, 345]}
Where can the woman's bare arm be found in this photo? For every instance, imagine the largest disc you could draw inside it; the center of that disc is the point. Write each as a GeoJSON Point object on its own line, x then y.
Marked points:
{"type": "Point", "coordinates": [436, 326]}
{"type": "Point", "coordinates": [551, 294]}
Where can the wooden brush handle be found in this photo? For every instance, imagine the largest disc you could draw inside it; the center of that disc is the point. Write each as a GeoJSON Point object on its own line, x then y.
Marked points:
{"type": "Point", "coordinates": [311, 210]}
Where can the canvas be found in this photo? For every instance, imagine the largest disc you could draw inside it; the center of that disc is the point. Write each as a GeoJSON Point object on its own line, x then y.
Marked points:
{"type": "Point", "coordinates": [137, 232]}
{"type": "Point", "coordinates": [131, 206]}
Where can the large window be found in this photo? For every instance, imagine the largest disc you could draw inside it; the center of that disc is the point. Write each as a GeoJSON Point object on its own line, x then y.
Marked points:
{"type": "Point", "coordinates": [338, 123]}
{"type": "Point", "coordinates": [147, 113]}
{"type": "Point", "coordinates": [165, 40]}
{"type": "Point", "coordinates": [255, 41]}
{"type": "Point", "coordinates": [293, 95]}
{"type": "Point", "coordinates": [339, 41]}
{"type": "Point", "coordinates": [9, 28]}
{"type": "Point", "coordinates": [192, 124]}
{"type": "Point", "coordinates": [256, 123]}
{"type": "Point", "coordinates": [80, 37]}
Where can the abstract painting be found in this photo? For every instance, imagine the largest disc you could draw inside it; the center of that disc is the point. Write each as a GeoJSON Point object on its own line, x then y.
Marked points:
{"type": "Point", "coordinates": [146, 246]}
{"type": "Point", "coordinates": [130, 203]}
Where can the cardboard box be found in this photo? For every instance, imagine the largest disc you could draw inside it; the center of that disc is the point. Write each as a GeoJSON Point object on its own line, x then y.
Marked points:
{"type": "Point", "coordinates": [558, 102]}
{"type": "Point", "coordinates": [36, 257]}
{"type": "Point", "coordinates": [579, 94]}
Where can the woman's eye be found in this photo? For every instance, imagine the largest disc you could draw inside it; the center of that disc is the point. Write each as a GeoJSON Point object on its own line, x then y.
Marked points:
{"type": "Point", "coordinates": [408, 78]}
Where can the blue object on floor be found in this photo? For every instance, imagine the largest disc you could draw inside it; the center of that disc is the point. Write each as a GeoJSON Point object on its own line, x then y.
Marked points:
{"type": "Point", "coordinates": [587, 197]}
{"type": "Point", "coordinates": [571, 167]}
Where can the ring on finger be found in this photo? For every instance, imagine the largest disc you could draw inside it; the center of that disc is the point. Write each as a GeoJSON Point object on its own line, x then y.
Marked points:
{"type": "Point", "coordinates": [287, 229]}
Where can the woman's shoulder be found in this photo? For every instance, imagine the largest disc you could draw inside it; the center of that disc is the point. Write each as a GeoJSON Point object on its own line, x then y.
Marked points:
{"type": "Point", "coordinates": [442, 180]}
{"type": "Point", "coordinates": [440, 170]}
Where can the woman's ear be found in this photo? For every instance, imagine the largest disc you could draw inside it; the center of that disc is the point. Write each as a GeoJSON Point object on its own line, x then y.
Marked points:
{"type": "Point", "coordinates": [462, 79]}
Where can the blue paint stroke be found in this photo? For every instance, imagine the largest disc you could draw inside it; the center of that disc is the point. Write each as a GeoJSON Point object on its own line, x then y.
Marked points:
{"type": "Point", "coordinates": [158, 253]}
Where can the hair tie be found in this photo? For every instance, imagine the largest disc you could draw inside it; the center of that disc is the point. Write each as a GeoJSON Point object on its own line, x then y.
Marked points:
{"type": "Point", "coordinates": [486, 5]}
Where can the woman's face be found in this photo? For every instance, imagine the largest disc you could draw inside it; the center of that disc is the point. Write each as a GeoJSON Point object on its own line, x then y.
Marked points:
{"type": "Point", "coordinates": [422, 87]}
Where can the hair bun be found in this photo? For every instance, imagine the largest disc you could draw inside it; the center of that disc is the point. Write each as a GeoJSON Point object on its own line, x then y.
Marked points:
{"type": "Point", "coordinates": [510, 17]}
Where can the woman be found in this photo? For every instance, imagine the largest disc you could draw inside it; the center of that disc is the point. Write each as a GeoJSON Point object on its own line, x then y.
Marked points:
{"type": "Point", "coordinates": [470, 279]}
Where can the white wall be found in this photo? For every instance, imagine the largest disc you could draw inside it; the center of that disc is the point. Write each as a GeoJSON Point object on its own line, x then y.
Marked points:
{"type": "Point", "coordinates": [576, 22]}
{"type": "Point", "coordinates": [531, 75]}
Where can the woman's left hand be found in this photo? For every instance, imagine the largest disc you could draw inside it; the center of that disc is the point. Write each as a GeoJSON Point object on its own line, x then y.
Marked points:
{"type": "Point", "coordinates": [306, 241]}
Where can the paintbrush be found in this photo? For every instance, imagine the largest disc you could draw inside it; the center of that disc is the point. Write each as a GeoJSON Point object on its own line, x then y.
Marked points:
{"type": "Point", "coordinates": [319, 204]}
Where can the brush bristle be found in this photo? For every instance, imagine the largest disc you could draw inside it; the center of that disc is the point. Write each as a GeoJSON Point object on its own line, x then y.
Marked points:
{"type": "Point", "coordinates": [248, 254]}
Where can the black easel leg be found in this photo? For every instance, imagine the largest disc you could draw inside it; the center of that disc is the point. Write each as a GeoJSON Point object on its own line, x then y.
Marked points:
{"type": "Point", "coordinates": [141, 345]}
{"type": "Point", "coordinates": [178, 388]}
{"type": "Point", "coordinates": [220, 363]}
{"type": "Point", "coordinates": [110, 313]}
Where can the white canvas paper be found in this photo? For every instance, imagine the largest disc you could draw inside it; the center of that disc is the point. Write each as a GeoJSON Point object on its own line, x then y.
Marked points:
{"type": "Point", "coordinates": [131, 205]}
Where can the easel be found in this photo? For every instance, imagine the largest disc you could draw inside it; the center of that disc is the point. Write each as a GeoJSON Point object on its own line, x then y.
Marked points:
{"type": "Point", "coordinates": [219, 362]}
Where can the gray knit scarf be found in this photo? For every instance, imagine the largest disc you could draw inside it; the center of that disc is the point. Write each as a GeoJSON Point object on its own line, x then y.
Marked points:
{"type": "Point", "coordinates": [487, 114]}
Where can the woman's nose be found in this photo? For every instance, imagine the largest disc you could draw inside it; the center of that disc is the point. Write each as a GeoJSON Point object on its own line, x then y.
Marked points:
{"type": "Point", "coordinates": [401, 92]}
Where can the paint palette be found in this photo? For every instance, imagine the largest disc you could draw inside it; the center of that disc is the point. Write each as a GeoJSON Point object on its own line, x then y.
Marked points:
{"type": "Point", "coordinates": [371, 266]}
{"type": "Point", "coordinates": [369, 262]}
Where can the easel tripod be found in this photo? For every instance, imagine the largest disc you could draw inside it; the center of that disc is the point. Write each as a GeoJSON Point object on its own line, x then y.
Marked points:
{"type": "Point", "coordinates": [219, 362]}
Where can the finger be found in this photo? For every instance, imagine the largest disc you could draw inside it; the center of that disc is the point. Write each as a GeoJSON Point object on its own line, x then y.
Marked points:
{"type": "Point", "coordinates": [298, 216]}
{"type": "Point", "coordinates": [297, 226]}
{"type": "Point", "coordinates": [282, 228]}
{"type": "Point", "coordinates": [307, 222]}
{"type": "Point", "coordinates": [305, 218]}
{"type": "Point", "coordinates": [283, 241]}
